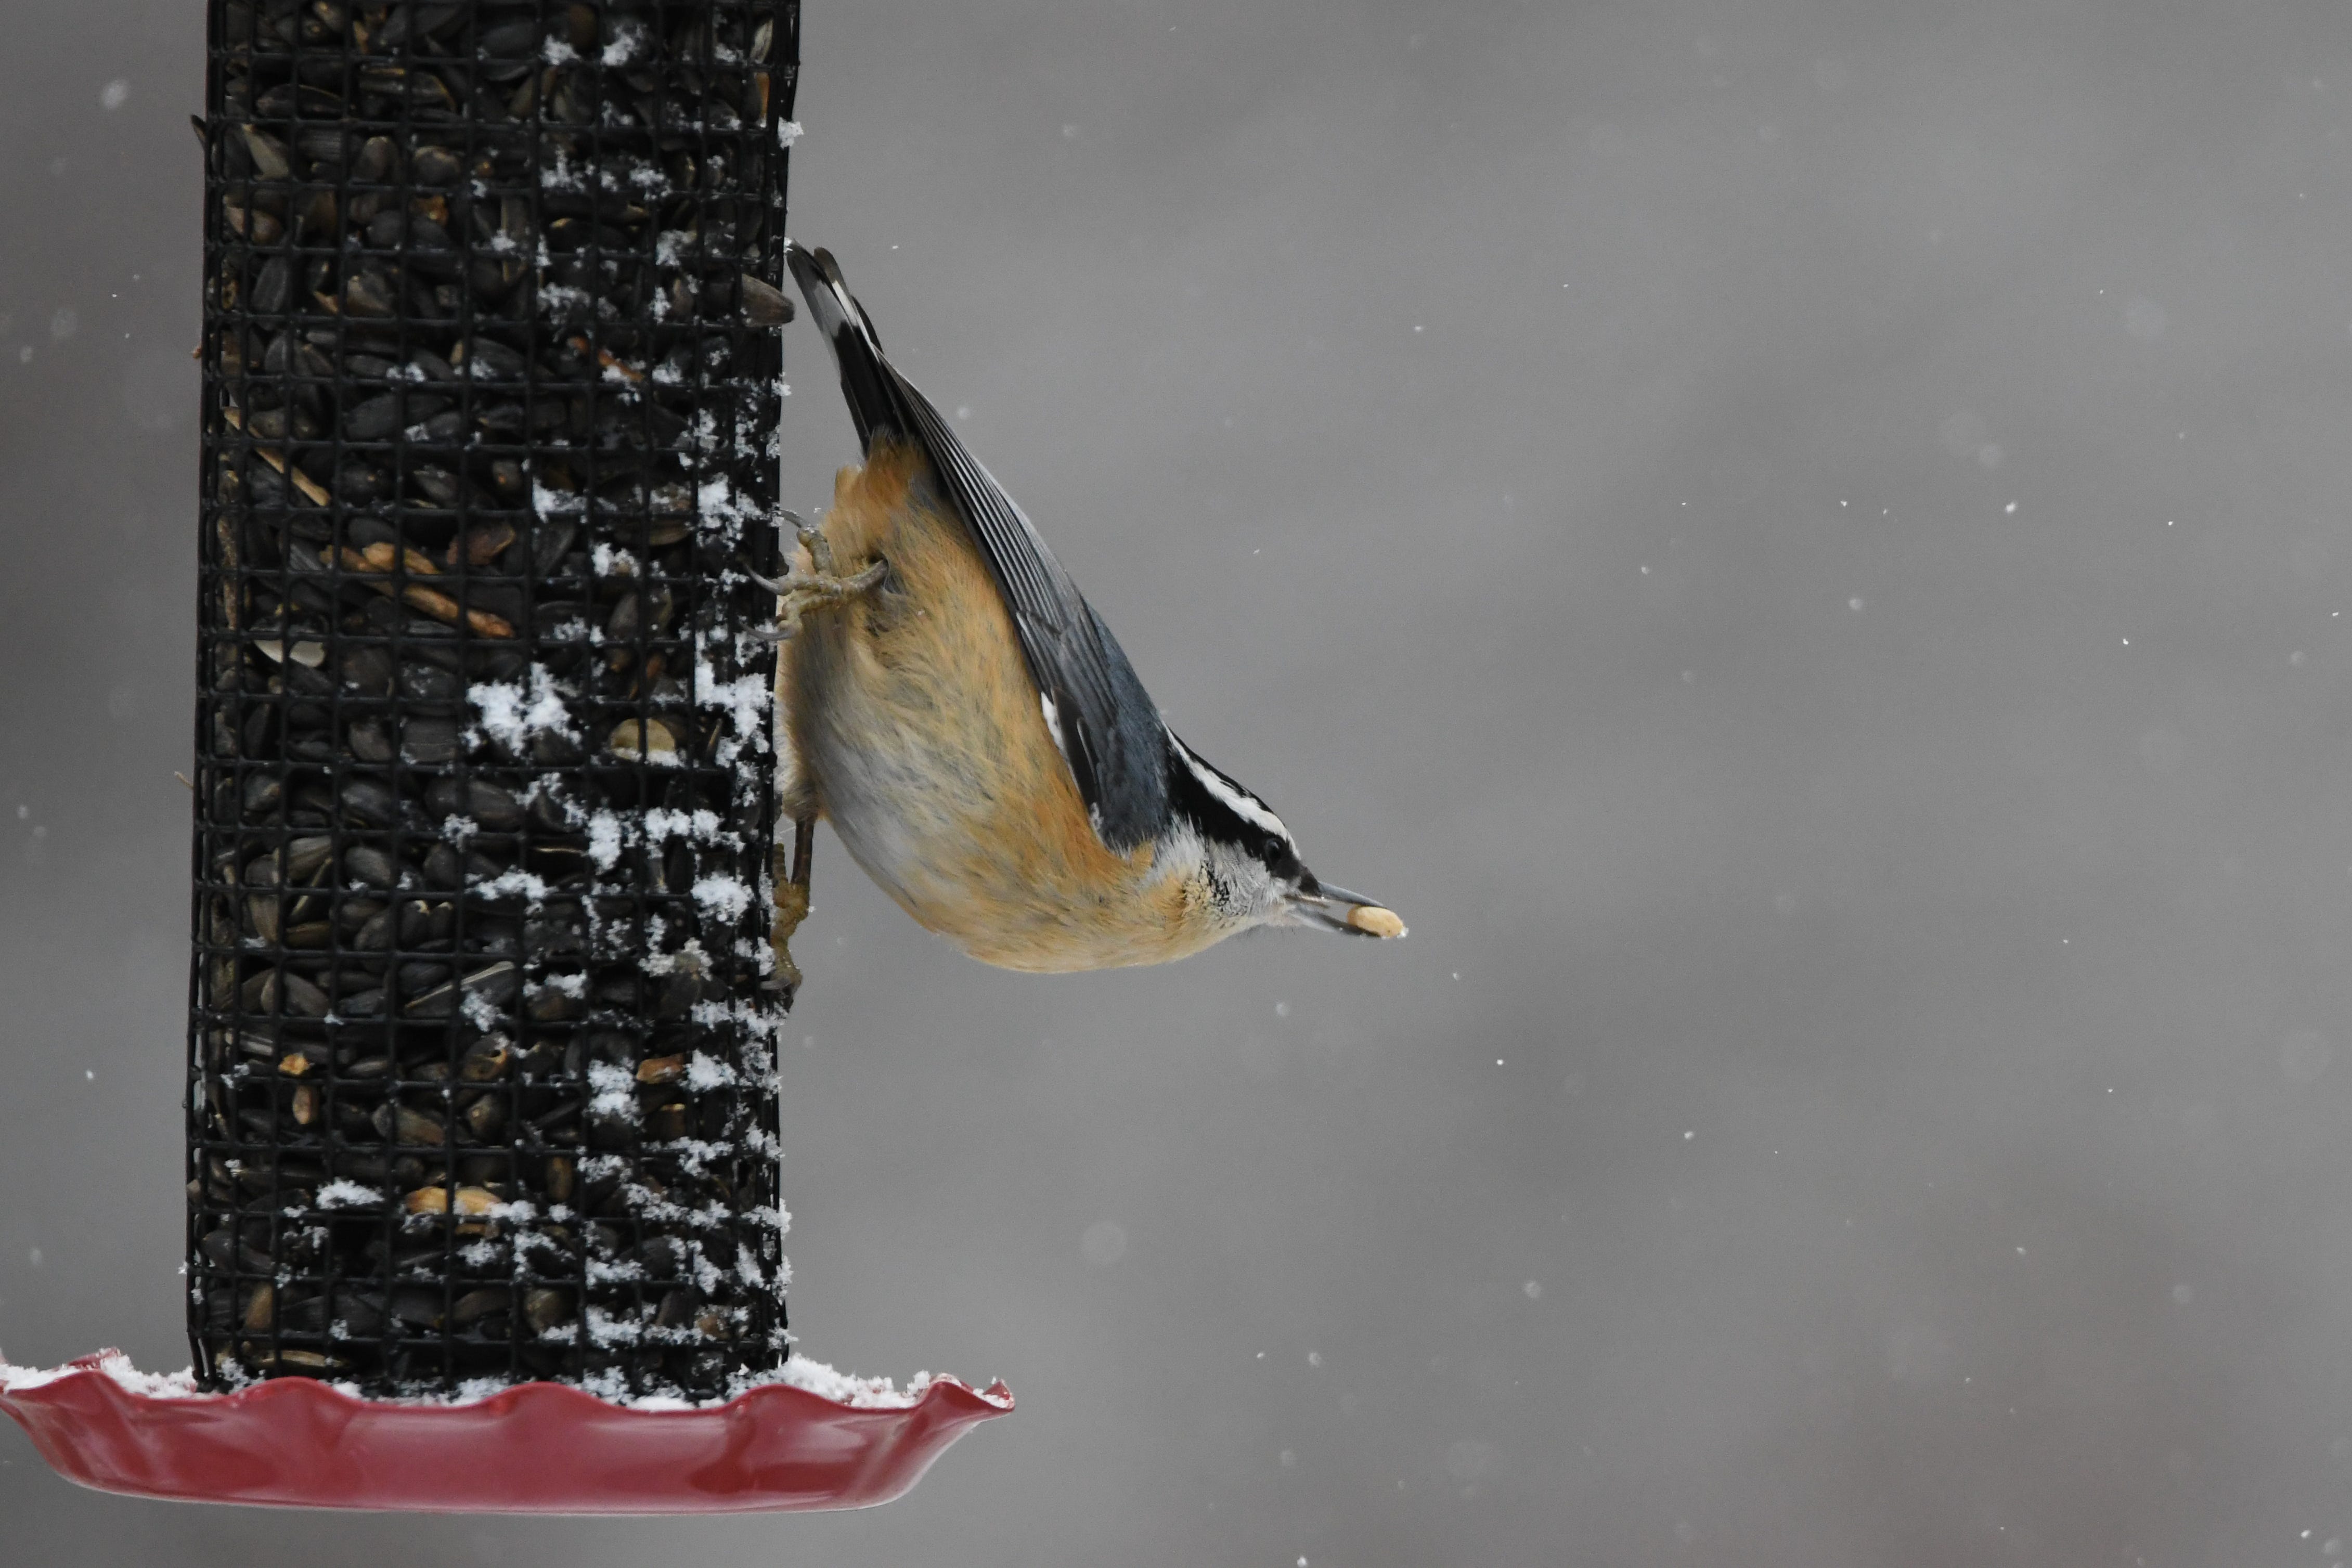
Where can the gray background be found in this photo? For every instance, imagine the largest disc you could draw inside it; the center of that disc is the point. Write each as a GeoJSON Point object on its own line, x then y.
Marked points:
{"type": "Point", "coordinates": [1801, 544]}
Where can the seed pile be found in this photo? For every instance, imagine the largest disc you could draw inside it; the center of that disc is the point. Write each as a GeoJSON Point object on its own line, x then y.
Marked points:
{"type": "Point", "coordinates": [482, 1030]}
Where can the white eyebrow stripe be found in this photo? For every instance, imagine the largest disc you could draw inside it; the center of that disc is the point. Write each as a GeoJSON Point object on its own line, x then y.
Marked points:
{"type": "Point", "coordinates": [1248, 808]}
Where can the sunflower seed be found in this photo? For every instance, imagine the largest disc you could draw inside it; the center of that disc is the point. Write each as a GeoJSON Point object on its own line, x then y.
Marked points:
{"type": "Point", "coordinates": [306, 856]}
{"type": "Point", "coordinates": [369, 865]}
{"type": "Point", "coordinates": [495, 984]}
{"type": "Point", "coordinates": [476, 1305]}
{"type": "Point", "coordinates": [644, 740]}
{"type": "Point", "coordinates": [397, 1123]}
{"type": "Point", "coordinates": [546, 1309]}
{"type": "Point", "coordinates": [764, 305]}
{"type": "Point", "coordinates": [270, 159]}
{"type": "Point", "coordinates": [438, 1200]}
{"type": "Point", "coordinates": [483, 802]}
{"type": "Point", "coordinates": [485, 1116]}
{"type": "Point", "coordinates": [368, 803]}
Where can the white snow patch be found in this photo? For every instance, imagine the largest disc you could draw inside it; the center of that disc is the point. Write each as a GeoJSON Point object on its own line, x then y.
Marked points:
{"type": "Point", "coordinates": [722, 897]}
{"type": "Point", "coordinates": [546, 502]}
{"type": "Point", "coordinates": [704, 1072]}
{"type": "Point", "coordinates": [508, 883]}
{"type": "Point", "coordinates": [179, 1384]}
{"type": "Point", "coordinates": [624, 47]}
{"type": "Point", "coordinates": [859, 1393]}
{"type": "Point", "coordinates": [701, 825]}
{"type": "Point", "coordinates": [341, 1194]}
{"type": "Point", "coordinates": [511, 712]}
{"type": "Point", "coordinates": [615, 1090]}
{"type": "Point", "coordinates": [799, 1372]}
{"type": "Point", "coordinates": [718, 500]}
{"type": "Point", "coordinates": [606, 834]}
{"type": "Point", "coordinates": [747, 699]}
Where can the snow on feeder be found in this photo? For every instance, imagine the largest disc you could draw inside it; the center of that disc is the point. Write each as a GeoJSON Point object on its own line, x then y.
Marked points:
{"type": "Point", "coordinates": [482, 1091]}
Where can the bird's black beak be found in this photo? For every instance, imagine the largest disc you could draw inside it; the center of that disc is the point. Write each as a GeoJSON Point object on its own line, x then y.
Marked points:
{"type": "Point", "coordinates": [1329, 908]}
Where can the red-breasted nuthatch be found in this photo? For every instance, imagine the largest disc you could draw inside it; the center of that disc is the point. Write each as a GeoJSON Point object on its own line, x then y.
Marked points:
{"type": "Point", "coordinates": [973, 732]}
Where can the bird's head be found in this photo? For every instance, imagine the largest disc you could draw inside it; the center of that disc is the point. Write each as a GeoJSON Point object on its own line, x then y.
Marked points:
{"type": "Point", "coordinates": [1251, 862]}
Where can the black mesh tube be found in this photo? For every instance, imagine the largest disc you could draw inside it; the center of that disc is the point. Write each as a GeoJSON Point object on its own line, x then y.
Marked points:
{"type": "Point", "coordinates": [482, 1069]}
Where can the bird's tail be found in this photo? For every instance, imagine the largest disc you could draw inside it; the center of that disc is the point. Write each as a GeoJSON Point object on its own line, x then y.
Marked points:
{"type": "Point", "coordinates": [877, 400]}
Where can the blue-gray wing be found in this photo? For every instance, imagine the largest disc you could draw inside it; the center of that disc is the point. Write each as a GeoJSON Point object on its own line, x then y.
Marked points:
{"type": "Point", "coordinates": [1106, 724]}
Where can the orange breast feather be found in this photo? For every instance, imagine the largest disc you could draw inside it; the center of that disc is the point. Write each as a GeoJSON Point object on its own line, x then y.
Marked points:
{"type": "Point", "coordinates": [915, 716]}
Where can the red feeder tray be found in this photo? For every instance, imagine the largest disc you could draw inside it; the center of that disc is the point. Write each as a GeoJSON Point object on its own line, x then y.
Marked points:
{"type": "Point", "coordinates": [539, 1447]}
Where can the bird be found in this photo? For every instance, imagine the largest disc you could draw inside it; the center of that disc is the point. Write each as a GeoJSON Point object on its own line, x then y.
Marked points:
{"type": "Point", "coordinates": [973, 732]}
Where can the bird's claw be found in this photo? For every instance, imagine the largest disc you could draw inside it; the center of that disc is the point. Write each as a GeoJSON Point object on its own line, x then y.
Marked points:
{"type": "Point", "coordinates": [798, 593]}
{"type": "Point", "coordinates": [792, 906]}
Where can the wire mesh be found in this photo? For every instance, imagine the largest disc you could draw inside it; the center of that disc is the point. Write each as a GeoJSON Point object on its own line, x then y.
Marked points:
{"type": "Point", "coordinates": [482, 1068]}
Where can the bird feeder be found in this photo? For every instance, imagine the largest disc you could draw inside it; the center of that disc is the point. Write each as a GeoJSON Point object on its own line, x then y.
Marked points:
{"type": "Point", "coordinates": [482, 1097]}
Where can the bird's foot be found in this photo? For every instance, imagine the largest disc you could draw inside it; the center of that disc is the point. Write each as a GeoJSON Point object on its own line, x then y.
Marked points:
{"type": "Point", "coordinates": [792, 908]}
{"type": "Point", "coordinates": [798, 593]}
{"type": "Point", "coordinates": [792, 878]}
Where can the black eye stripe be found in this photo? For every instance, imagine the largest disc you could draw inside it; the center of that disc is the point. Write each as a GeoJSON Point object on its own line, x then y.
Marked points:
{"type": "Point", "coordinates": [1217, 821]}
